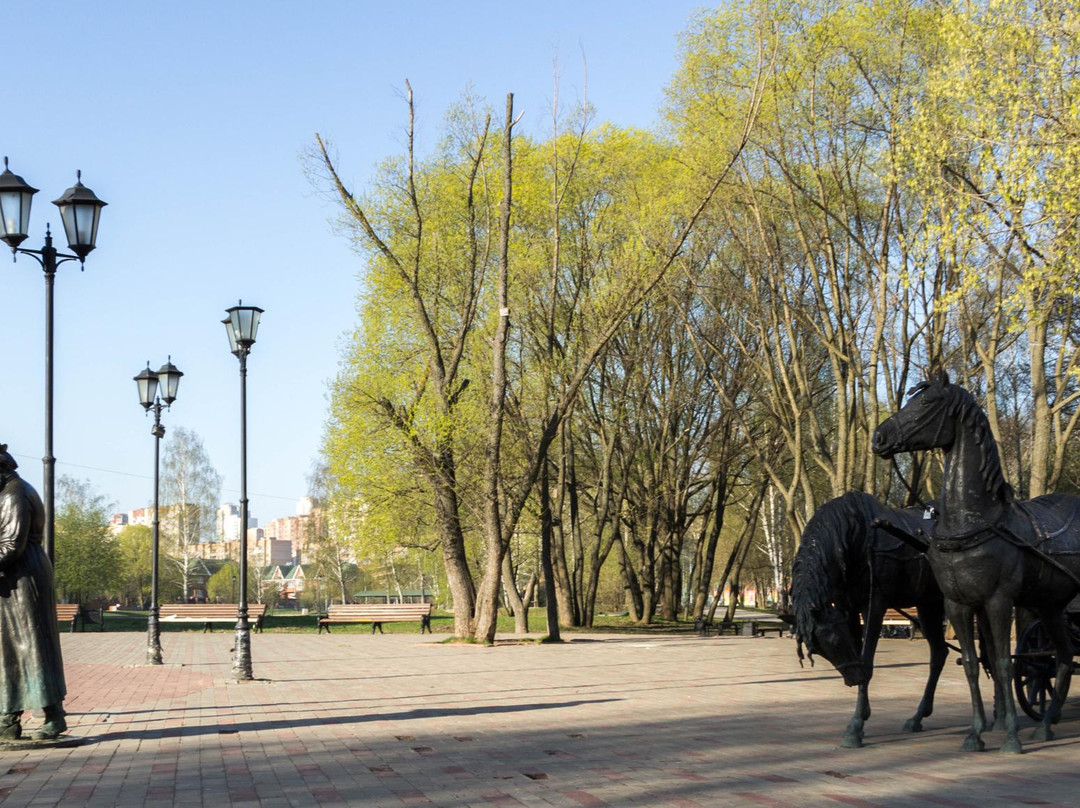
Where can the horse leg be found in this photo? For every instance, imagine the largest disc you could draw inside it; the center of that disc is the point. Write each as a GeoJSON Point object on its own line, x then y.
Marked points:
{"type": "Point", "coordinates": [986, 656]}
{"type": "Point", "coordinates": [853, 737]}
{"type": "Point", "coordinates": [962, 619]}
{"type": "Point", "coordinates": [930, 619]}
{"type": "Point", "coordinates": [998, 613]}
{"type": "Point", "coordinates": [1063, 650]}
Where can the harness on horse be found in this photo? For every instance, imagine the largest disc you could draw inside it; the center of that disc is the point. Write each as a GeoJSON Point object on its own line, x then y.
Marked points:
{"type": "Point", "coordinates": [983, 533]}
{"type": "Point", "coordinates": [960, 542]}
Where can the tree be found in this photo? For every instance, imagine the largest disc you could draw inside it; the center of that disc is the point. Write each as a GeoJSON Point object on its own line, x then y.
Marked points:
{"type": "Point", "coordinates": [644, 349]}
{"type": "Point", "coordinates": [88, 558]}
{"type": "Point", "coordinates": [814, 243]}
{"type": "Point", "coordinates": [429, 219]}
{"type": "Point", "coordinates": [994, 148]}
{"type": "Point", "coordinates": [440, 240]}
{"type": "Point", "coordinates": [135, 543]}
{"type": "Point", "coordinates": [190, 494]}
{"type": "Point", "coordinates": [221, 588]}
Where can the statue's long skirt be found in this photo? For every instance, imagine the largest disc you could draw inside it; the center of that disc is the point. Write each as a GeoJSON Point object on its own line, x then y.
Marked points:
{"type": "Point", "coordinates": [31, 667]}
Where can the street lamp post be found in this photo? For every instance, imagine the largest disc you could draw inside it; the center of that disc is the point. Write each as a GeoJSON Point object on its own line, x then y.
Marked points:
{"type": "Point", "coordinates": [168, 377]}
{"type": "Point", "coordinates": [241, 325]}
{"type": "Point", "coordinates": [80, 211]}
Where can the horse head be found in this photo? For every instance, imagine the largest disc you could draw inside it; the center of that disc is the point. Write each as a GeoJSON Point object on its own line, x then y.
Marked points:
{"type": "Point", "coordinates": [924, 422]}
{"type": "Point", "coordinates": [826, 620]}
{"type": "Point", "coordinates": [940, 415]}
{"type": "Point", "coordinates": [828, 632]}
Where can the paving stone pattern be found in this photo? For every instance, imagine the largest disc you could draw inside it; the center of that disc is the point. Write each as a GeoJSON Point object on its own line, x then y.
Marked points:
{"type": "Point", "coordinates": [399, 720]}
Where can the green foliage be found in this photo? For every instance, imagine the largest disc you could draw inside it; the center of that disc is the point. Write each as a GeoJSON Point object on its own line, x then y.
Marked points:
{"type": "Point", "coordinates": [88, 558]}
{"type": "Point", "coordinates": [135, 545]}
{"type": "Point", "coordinates": [223, 586]}
{"type": "Point", "coordinates": [905, 201]}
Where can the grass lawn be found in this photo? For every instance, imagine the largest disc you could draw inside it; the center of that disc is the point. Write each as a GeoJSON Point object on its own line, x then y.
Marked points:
{"type": "Point", "coordinates": [441, 623]}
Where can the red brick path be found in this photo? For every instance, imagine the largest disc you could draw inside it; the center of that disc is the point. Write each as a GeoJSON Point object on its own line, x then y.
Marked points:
{"type": "Point", "coordinates": [397, 720]}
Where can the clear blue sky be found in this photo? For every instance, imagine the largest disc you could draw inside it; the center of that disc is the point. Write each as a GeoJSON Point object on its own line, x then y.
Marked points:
{"type": "Point", "coordinates": [189, 120]}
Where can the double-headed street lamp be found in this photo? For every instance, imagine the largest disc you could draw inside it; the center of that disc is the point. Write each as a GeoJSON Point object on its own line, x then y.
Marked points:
{"type": "Point", "coordinates": [80, 211]}
{"type": "Point", "coordinates": [242, 324]}
{"type": "Point", "coordinates": [165, 381]}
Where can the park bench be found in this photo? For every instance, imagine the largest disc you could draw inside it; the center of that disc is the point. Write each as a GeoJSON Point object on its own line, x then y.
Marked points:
{"type": "Point", "coordinates": [78, 618]}
{"type": "Point", "coordinates": [210, 613]}
{"type": "Point", "coordinates": [745, 628]}
{"type": "Point", "coordinates": [67, 613]}
{"type": "Point", "coordinates": [376, 614]}
{"type": "Point", "coordinates": [760, 629]}
{"type": "Point", "coordinates": [896, 621]}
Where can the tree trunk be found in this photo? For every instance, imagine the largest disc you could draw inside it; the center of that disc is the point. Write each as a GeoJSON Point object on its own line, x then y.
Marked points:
{"type": "Point", "coordinates": [495, 543]}
{"type": "Point", "coordinates": [518, 605]}
{"type": "Point", "coordinates": [548, 568]}
{"type": "Point", "coordinates": [635, 603]}
{"type": "Point", "coordinates": [707, 558]}
{"type": "Point", "coordinates": [564, 583]}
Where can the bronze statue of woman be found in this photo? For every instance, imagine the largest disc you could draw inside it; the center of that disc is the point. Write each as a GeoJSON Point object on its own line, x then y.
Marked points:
{"type": "Point", "coordinates": [31, 668]}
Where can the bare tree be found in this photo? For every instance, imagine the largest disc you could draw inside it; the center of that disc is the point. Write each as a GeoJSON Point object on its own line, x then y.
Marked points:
{"type": "Point", "coordinates": [190, 493]}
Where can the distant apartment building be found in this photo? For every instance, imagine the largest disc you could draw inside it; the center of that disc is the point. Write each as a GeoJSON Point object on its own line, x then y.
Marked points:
{"type": "Point", "coordinates": [228, 523]}
{"type": "Point", "coordinates": [263, 551]}
{"type": "Point", "coordinates": [299, 530]}
{"type": "Point", "coordinates": [282, 541]}
{"type": "Point", "coordinates": [139, 516]}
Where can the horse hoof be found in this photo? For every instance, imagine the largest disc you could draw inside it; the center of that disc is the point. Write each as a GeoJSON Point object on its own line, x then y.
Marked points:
{"type": "Point", "coordinates": [911, 725]}
{"type": "Point", "coordinates": [1012, 747]}
{"type": "Point", "coordinates": [973, 743]}
{"type": "Point", "coordinates": [1042, 733]}
{"type": "Point", "coordinates": [852, 742]}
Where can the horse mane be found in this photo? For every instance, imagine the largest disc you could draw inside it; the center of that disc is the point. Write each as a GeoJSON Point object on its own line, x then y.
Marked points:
{"type": "Point", "coordinates": [829, 547]}
{"type": "Point", "coordinates": [963, 406]}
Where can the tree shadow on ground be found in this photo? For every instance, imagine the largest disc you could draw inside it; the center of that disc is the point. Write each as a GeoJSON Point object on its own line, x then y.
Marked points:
{"type": "Point", "coordinates": [312, 721]}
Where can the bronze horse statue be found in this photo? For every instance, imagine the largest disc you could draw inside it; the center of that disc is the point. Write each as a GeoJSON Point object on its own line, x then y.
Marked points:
{"type": "Point", "coordinates": [990, 552]}
{"type": "Point", "coordinates": [849, 567]}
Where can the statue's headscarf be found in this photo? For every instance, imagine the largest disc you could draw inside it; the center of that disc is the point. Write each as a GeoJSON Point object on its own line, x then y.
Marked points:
{"type": "Point", "coordinates": [7, 462]}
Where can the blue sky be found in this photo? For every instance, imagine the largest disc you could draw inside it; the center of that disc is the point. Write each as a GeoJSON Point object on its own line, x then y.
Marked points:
{"type": "Point", "coordinates": [189, 119]}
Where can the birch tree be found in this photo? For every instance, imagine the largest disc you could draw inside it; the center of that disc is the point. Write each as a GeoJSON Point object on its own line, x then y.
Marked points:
{"type": "Point", "coordinates": [190, 495]}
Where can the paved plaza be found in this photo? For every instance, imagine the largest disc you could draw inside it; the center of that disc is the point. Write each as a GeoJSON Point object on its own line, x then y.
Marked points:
{"type": "Point", "coordinates": [404, 720]}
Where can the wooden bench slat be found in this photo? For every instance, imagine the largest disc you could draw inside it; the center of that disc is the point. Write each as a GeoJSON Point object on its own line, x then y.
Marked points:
{"type": "Point", "coordinates": [207, 613]}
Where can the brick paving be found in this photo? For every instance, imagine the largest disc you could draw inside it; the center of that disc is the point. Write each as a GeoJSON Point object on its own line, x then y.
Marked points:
{"type": "Point", "coordinates": [602, 720]}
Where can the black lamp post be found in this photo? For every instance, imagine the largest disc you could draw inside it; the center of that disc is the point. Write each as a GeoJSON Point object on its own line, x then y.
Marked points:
{"type": "Point", "coordinates": [80, 211]}
{"type": "Point", "coordinates": [241, 325]}
{"type": "Point", "coordinates": [168, 378]}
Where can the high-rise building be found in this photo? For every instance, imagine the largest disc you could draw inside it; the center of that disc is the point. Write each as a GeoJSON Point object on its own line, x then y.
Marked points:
{"type": "Point", "coordinates": [228, 522]}
{"type": "Point", "coordinates": [299, 530]}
